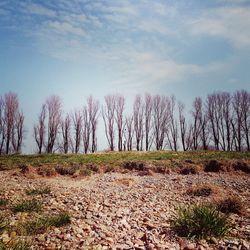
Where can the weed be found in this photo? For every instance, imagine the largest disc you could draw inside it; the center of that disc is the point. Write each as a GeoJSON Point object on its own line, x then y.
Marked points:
{"type": "Point", "coordinates": [3, 202]}
{"type": "Point", "coordinates": [200, 222]}
{"type": "Point", "coordinates": [37, 191]}
{"type": "Point", "coordinates": [230, 205]}
{"type": "Point", "coordinates": [27, 206]}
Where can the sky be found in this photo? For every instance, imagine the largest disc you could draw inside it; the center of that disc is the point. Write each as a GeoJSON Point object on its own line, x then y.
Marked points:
{"type": "Point", "coordinates": [80, 47]}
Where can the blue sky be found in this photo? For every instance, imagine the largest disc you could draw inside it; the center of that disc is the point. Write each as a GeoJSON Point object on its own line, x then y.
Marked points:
{"type": "Point", "coordinates": [82, 47]}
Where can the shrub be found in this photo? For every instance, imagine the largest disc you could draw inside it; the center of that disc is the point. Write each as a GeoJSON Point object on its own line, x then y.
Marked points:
{"type": "Point", "coordinates": [46, 171]}
{"type": "Point", "coordinates": [37, 191]}
{"type": "Point", "coordinates": [4, 167]}
{"type": "Point", "coordinates": [108, 169]}
{"type": "Point", "coordinates": [213, 166]}
{"type": "Point", "coordinates": [85, 172]}
{"type": "Point", "coordinates": [200, 222]}
{"type": "Point", "coordinates": [201, 190]}
{"type": "Point", "coordinates": [133, 165]}
{"type": "Point", "coordinates": [27, 206]}
{"type": "Point", "coordinates": [230, 205]}
{"type": "Point", "coordinates": [242, 166]}
{"type": "Point", "coordinates": [66, 170]}
{"type": "Point", "coordinates": [93, 168]}
{"type": "Point", "coordinates": [189, 170]}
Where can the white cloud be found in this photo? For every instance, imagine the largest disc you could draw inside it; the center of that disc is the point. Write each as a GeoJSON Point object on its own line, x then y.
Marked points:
{"type": "Point", "coordinates": [147, 70]}
{"type": "Point", "coordinates": [230, 23]}
{"type": "Point", "coordinates": [65, 28]}
{"type": "Point", "coordinates": [37, 9]}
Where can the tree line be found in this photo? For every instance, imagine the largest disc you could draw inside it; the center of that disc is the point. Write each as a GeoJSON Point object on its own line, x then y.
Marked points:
{"type": "Point", "coordinates": [156, 122]}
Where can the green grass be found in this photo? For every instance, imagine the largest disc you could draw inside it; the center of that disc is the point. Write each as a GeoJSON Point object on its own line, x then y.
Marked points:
{"type": "Point", "coordinates": [59, 220]}
{"type": "Point", "coordinates": [40, 224]}
{"type": "Point", "coordinates": [200, 222]}
{"type": "Point", "coordinates": [27, 206]}
{"type": "Point", "coordinates": [38, 191]}
{"type": "Point", "coordinates": [116, 158]}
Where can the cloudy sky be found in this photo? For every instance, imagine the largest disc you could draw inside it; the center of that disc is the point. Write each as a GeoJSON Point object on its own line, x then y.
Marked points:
{"type": "Point", "coordinates": [80, 47]}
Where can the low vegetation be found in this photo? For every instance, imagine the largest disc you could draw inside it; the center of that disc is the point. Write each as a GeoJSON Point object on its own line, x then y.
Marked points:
{"type": "Point", "coordinates": [3, 223]}
{"type": "Point", "coordinates": [202, 190]}
{"type": "Point", "coordinates": [213, 166]}
{"type": "Point", "coordinates": [27, 206]}
{"type": "Point", "coordinates": [115, 158]}
{"type": "Point", "coordinates": [200, 222]}
{"type": "Point", "coordinates": [231, 204]}
{"type": "Point", "coordinates": [38, 191]}
{"type": "Point", "coordinates": [15, 245]}
{"type": "Point", "coordinates": [189, 170]}
{"type": "Point", "coordinates": [40, 224]}
{"type": "Point", "coordinates": [3, 202]}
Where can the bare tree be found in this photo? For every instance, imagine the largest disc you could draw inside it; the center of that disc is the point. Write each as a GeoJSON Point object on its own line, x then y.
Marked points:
{"type": "Point", "coordinates": [17, 132]}
{"type": "Point", "coordinates": [40, 129]}
{"type": "Point", "coordinates": [245, 102]}
{"type": "Point", "coordinates": [138, 113]}
{"type": "Point", "coordinates": [119, 110]}
{"type": "Point", "coordinates": [10, 112]}
{"type": "Point", "coordinates": [2, 126]}
{"type": "Point", "coordinates": [129, 132]}
{"type": "Point", "coordinates": [66, 127]}
{"type": "Point", "coordinates": [148, 120]}
{"type": "Point", "coordinates": [185, 130]}
{"type": "Point", "coordinates": [213, 112]}
{"type": "Point", "coordinates": [53, 106]}
{"type": "Point", "coordinates": [77, 127]}
{"type": "Point", "coordinates": [160, 119]}
{"type": "Point", "coordinates": [237, 120]}
{"type": "Point", "coordinates": [172, 134]}
{"type": "Point", "coordinates": [86, 130]}
{"type": "Point", "coordinates": [93, 111]}
{"type": "Point", "coordinates": [197, 123]}
{"type": "Point", "coordinates": [225, 118]}
{"type": "Point", "coordinates": [108, 114]}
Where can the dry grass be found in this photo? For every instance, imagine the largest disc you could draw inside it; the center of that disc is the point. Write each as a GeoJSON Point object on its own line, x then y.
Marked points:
{"type": "Point", "coordinates": [190, 169]}
{"type": "Point", "coordinates": [231, 204]}
{"type": "Point", "coordinates": [204, 190]}
{"type": "Point", "coordinates": [128, 182]}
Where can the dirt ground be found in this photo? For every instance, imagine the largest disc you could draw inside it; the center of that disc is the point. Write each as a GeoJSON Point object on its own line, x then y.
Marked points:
{"type": "Point", "coordinates": [124, 210]}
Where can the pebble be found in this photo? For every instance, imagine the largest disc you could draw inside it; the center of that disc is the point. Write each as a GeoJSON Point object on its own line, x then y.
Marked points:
{"type": "Point", "coordinates": [107, 214]}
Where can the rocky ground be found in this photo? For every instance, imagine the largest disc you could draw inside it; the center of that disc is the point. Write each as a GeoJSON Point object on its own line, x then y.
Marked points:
{"type": "Point", "coordinates": [125, 210]}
